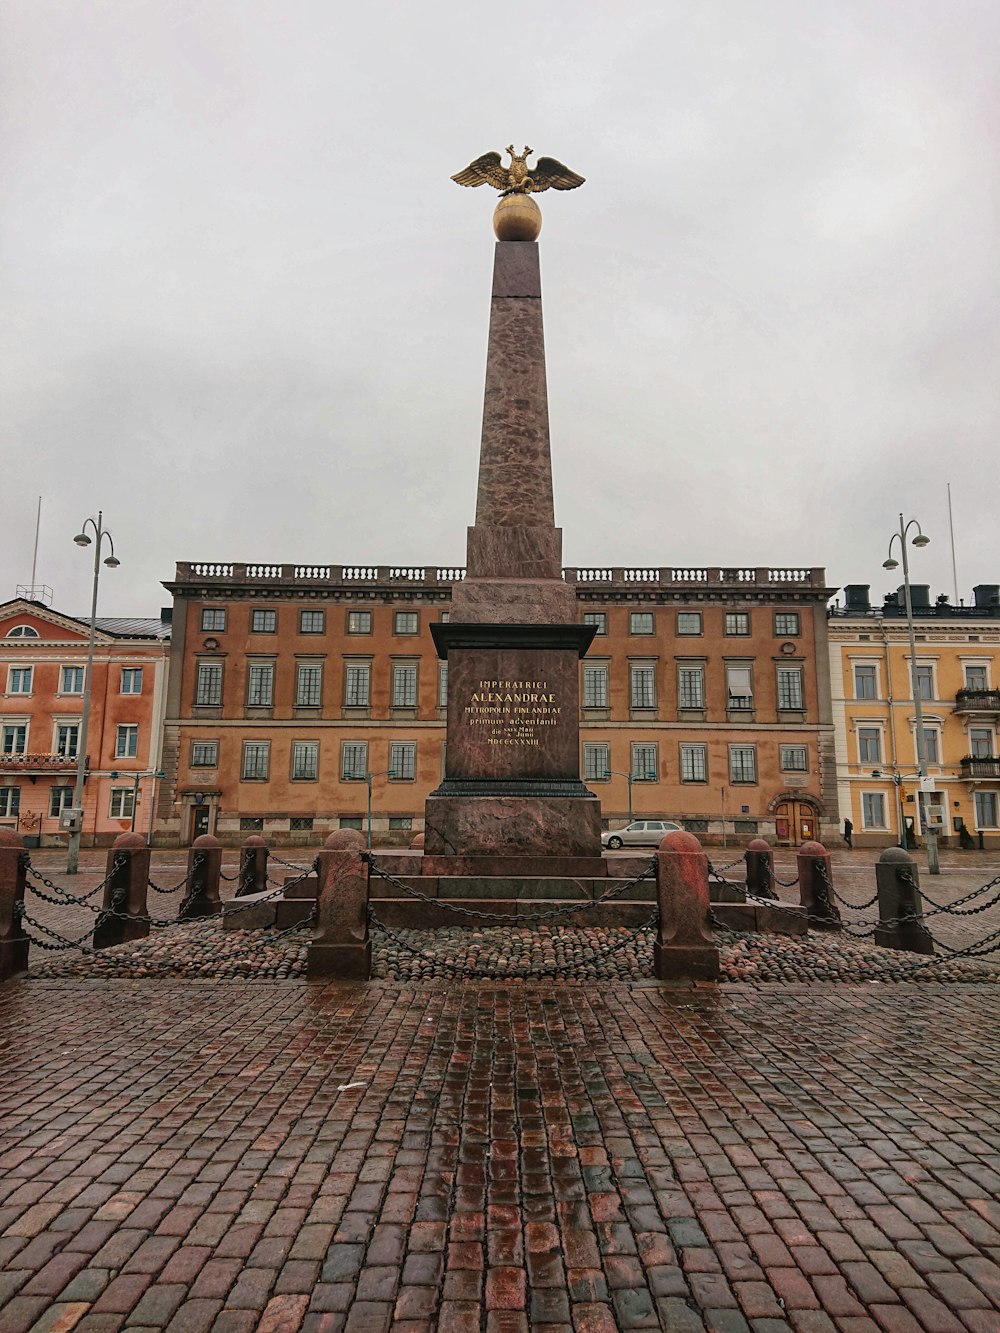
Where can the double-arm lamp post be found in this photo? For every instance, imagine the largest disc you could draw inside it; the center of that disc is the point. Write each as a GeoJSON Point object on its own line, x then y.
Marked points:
{"type": "Point", "coordinates": [630, 778]}
{"type": "Point", "coordinates": [112, 562]}
{"type": "Point", "coordinates": [930, 833]}
{"type": "Point", "coordinates": [367, 778]}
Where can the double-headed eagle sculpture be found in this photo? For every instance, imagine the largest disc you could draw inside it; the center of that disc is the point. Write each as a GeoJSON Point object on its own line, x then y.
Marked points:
{"type": "Point", "coordinates": [518, 178]}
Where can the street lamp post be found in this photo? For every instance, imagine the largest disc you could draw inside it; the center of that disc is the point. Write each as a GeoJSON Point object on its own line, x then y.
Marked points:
{"type": "Point", "coordinates": [630, 778]}
{"type": "Point", "coordinates": [112, 562]}
{"type": "Point", "coordinates": [919, 541]}
{"type": "Point", "coordinates": [366, 777]}
{"type": "Point", "coordinates": [136, 779]}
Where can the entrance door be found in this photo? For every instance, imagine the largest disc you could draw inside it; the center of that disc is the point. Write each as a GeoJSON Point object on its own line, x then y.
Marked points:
{"type": "Point", "coordinates": [794, 823]}
{"type": "Point", "coordinates": [199, 821]}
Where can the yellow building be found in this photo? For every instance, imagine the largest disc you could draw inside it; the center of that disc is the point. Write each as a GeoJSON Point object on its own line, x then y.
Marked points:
{"type": "Point", "coordinates": [875, 718]}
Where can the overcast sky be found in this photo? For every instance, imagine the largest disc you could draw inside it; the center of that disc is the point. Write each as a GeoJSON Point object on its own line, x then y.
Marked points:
{"type": "Point", "coordinates": [245, 309]}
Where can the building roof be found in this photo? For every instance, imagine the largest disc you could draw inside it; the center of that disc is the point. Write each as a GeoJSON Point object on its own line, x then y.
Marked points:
{"type": "Point", "coordinates": [131, 627]}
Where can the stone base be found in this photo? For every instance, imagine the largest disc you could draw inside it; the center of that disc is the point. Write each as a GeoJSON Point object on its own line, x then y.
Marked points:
{"type": "Point", "coordinates": [348, 962]}
{"type": "Point", "coordinates": [673, 962]}
{"type": "Point", "coordinates": [501, 867]}
{"type": "Point", "coordinates": [515, 826]}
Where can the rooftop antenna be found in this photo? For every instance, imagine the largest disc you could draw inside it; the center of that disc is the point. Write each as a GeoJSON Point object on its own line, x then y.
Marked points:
{"type": "Point", "coordinates": [38, 528]}
{"type": "Point", "coordinates": [951, 529]}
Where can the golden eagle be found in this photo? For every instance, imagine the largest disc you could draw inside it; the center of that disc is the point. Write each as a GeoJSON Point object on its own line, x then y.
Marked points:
{"type": "Point", "coordinates": [518, 178]}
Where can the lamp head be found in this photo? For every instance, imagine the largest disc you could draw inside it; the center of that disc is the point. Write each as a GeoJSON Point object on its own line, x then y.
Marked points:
{"type": "Point", "coordinates": [113, 774]}
{"type": "Point", "coordinates": [876, 772]}
{"type": "Point", "coordinates": [921, 540]}
{"type": "Point", "coordinates": [82, 539]}
{"type": "Point", "coordinates": [112, 561]}
{"type": "Point", "coordinates": [607, 773]}
{"type": "Point", "coordinates": [890, 563]}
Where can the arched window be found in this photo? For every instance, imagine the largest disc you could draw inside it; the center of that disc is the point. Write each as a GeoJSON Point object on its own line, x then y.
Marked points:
{"type": "Point", "coordinates": [22, 632]}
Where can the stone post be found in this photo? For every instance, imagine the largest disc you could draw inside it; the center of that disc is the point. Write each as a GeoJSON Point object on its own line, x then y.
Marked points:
{"type": "Point", "coordinates": [204, 873]}
{"type": "Point", "coordinates": [124, 915]}
{"type": "Point", "coordinates": [253, 867]}
{"type": "Point", "coordinates": [901, 919]}
{"type": "Point", "coordinates": [13, 874]}
{"type": "Point", "coordinates": [342, 946]}
{"type": "Point", "coordinates": [760, 869]}
{"type": "Point", "coordinates": [815, 885]}
{"type": "Point", "coordinates": [684, 945]}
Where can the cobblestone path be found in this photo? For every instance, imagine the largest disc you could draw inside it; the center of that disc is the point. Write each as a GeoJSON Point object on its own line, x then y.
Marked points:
{"type": "Point", "coordinates": [281, 1157]}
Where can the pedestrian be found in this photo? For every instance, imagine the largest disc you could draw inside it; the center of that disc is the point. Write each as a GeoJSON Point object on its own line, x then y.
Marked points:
{"type": "Point", "coordinates": [848, 832]}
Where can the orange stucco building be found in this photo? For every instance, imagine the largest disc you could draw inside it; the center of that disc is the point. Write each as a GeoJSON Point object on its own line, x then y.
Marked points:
{"type": "Point", "coordinates": [295, 691]}
{"type": "Point", "coordinates": [43, 676]}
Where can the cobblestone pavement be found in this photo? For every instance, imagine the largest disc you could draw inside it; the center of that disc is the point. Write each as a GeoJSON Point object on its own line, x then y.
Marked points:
{"type": "Point", "coordinates": [283, 1157]}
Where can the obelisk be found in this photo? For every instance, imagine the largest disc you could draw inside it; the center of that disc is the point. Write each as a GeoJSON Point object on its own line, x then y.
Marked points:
{"type": "Point", "coordinates": [512, 763]}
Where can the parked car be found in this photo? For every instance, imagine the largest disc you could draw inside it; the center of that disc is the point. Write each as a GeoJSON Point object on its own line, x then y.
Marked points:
{"type": "Point", "coordinates": [640, 833]}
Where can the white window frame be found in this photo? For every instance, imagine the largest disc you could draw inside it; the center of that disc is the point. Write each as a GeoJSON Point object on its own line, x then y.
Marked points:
{"type": "Point", "coordinates": [696, 672]}
{"type": "Point", "coordinates": [405, 685]}
{"type": "Point", "coordinates": [977, 666]}
{"type": "Point", "coordinates": [642, 686]}
{"type": "Point", "coordinates": [121, 804]}
{"type": "Point", "coordinates": [746, 704]}
{"type": "Point", "coordinates": [442, 685]}
{"type": "Point", "coordinates": [211, 747]}
{"type": "Point", "coordinates": [873, 667]}
{"type": "Point", "coordinates": [131, 676]}
{"type": "Point", "coordinates": [977, 806]}
{"type": "Point", "coordinates": [263, 620]}
{"type": "Point", "coordinates": [64, 688]}
{"type": "Point", "coordinates": [20, 680]}
{"type": "Point", "coordinates": [362, 618]}
{"type": "Point", "coordinates": [65, 801]}
{"type": "Point", "coordinates": [599, 619]}
{"type": "Point", "coordinates": [639, 618]}
{"type": "Point", "coordinates": [741, 748]}
{"type": "Point", "coordinates": [357, 685]}
{"type": "Point", "coordinates": [695, 617]}
{"type": "Point", "coordinates": [785, 633]}
{"type": "Point", "coordinates": [308, 684]}
{"type": "Point", "coordinates": [213, 619]}
{"type": "Point", "coordinates": [785, 762]}
{"type": "Point", "coordinates": [353, 750]}
{"type": "Point", "coordinates": [789, 674]}
{"type": "Point", "coordinates": [312, 620]}
{"type": "Point", "coordinates": [987, 734]}
{"type": "Point", "coordinates": [926, 670]}
{"type": "Point", "coordinates": [10, 802]}
{"type": "Point", "coordinates": [400, 616]}
{"type": "Point", "coordinates": [14, 725]}
{"type": "Point", "coordinates": [736, 624]}
{"type": "Point", "coordinates": [595, 685]}
{"type": "Point", "coordinates": [209, 674]}
{"type": "Point", "coordinates": [67, 725]}
{"type": "Point", "coordinates": [127, 740]}
{"type": "Point", "coordinates": [875, 727]}
{"type": "Point", "coordinates": [260, 685]}
{"type": "Point", "coordinates": [641, 767]}
{"type": "Point", "coordinates": [866, 811]}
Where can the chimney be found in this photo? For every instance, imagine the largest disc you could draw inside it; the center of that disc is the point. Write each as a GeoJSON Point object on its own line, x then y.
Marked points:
{"type": "Point", "coordinates": [920, 596]}
{"type": "Point", "coordinates": [856, 596]}
{"type": "Point", "coordinates": [987, 595]}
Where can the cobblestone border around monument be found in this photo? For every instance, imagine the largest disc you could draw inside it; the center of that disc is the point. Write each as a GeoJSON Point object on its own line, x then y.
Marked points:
{"type": "Point", "coordinates": [203, 950]}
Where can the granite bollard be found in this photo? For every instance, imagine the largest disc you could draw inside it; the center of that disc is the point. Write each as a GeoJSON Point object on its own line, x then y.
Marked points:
{"type": "Point", "coordinates": [760, 869]}
{"type": "Point", "coordinates": [204, 874]}
{"type": "Point", "coordinates": [684, 945]}
{"type": "Point", "coordinates": [816, 886]}
{"type": "Point", "coordinates": [342, 945]}
{"type": "Point", "coordinates": [124, 915]}
{"type": "Point", "coordinates": [253, 866]}
{"type": "Point", "coordinates": [13, 875]}
{"type": "Point", "coordinates": [901, 919]}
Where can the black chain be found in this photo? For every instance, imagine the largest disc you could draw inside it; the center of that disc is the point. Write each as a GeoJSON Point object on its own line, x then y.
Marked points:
{"type": "Point", "coordinates": [62, 943]}
{"type": "Point", "coordinates": [955, 908]}
{"type": "Point", "coordinates": [157, 889]}
{"type": "Point", "coordinates": [500, 918]}
{"type": "Point", "coordinates": [740, 861]}
{"type": "Point", "coordinates": [290, 864]}
{"type": "Point", "coordinates": [67, 899]}
{"type": "Point", "coordinates": [523, 974]}
{"type": "Point", "coordinates": [855, 907]}
{"type": "Point", "coordinates": [785, 883]}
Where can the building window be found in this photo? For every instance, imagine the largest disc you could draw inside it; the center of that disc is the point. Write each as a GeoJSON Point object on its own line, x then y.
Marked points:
{"type": "Point", "coordinates": [213, 618]}
{"type": "Point", "coordinates": [786, 625]}
{"type": "Point", "coordinates": [14, 737]}
{"type": "Point", "coordinates": [308, 685]}
{"type": "Point", "coordinates": [403, 761]}
{"type": "Point", "coordinates": [208, 685]}
{"type": "Point", "coordinates": [358, 691]}
{"type": "Point", "coordinates": [445, 617]}
{"type": "Point", "coordinates": [737, 623]}
{"type": "Point", "coordinates": [352, 822]}
{"type": "Point", "coordinates": [794, 759]}
{"type": "Point", "coordinates": [442, 685]}
{"type": "Point", "coordinates": [869, 745]}
{"type": "Point", "coordinates": [790, 689]}
{"type": "Point", "coordinates": [598, 619]}
{"type": "Point", "coordinates": [976, 677]}
{"type": "Point", "coordinates": [122, 802]}
{"type": "Point", "coordinates": [404, 686]}
{"type": "Point", "coordinates": [312, 622]}
{"type": "Point", "coordinates": [305, 761]}
{"type": "Point", "coordinates": [981, 742]}
{"type": "Point", "coordinates": [256, 761]}
{"type": "Point", "coordinates": [10, 802]}
{"type": "Point", "coordinates": [406, 622]}
{"type": "Point", "coordinates": [359, 622]}
{"type": "Point", "coordinates": [354, 760]}
{"type": "Point", "coordinates": [260, 686]}
{"type": "Point", "coordinates": [745, 826]}
{"type": "Point", "coordinates": [986, 809]}
{"type": "Point", "coordinates": [300, 824]}
{"type": "Point", "coordinates": [68, 740]}
{"type": "Point", "coordinates": [204, 754]}
{"type": "Point", "coordinates": [19, 680]}
{"type": "Point", "coordinates": [71, 680]}
{"type": "Point", "coordinates": [932, 745]}
{"type": "Point", "coordinates": [643, 687]}
{"type": "Point", "coordinates": [873, 809]}
{"type": "Point", "coordinates": [263, 622]}
{"type": "Point", "coordinates": [60, 799]}
{"type": "Point", "coordinates": [595, 686]}
{"type": "Point", "coordinates": [865, 682]}
{"type": "Point", "coordinates": [640, 622]}
{"type": "Point", "coordinates": [690, 687]}
{"type": "Point", "coordinates": [22, 632]}
{"type": "Point", "coordinates": [131, 681]}
{"type": "Point", "coordinates": [739, 689]}
{"type": "Point", "coordinates": [742, 763]}
{"type": "Point", "coordinates": [925, 681]}
{"type": "Point", "coordinates": [596, 762]}
{"type": "Point", "coordinates": [400, 823]}
{"type": "Point", "coordinates": [251, 824]}
{"type": "Point", "coordinates": [126, 741]}
{"type": "Point", "coordinates": [645, 762]}
{"type": "Point", "coordinates": [694, 763]}
{"type": "Point", "coordinates": [688, 622]}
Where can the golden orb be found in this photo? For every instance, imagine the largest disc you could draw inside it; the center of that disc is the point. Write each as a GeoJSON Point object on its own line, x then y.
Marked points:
{"type": "Point", "coordinates": [517, 218]}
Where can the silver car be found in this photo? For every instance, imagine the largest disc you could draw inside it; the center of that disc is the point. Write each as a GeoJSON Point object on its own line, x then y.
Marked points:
{"type": "Point", "coordinates": [640, 833]}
